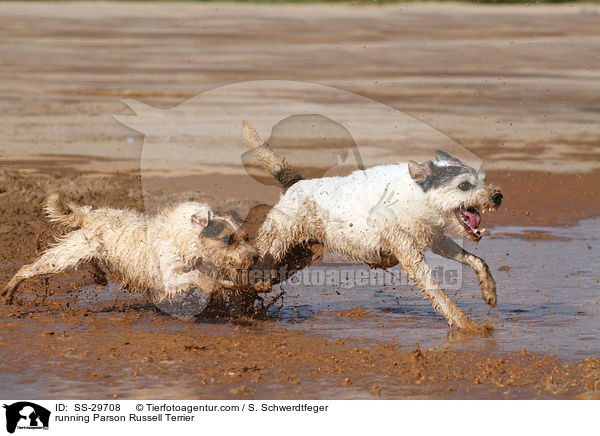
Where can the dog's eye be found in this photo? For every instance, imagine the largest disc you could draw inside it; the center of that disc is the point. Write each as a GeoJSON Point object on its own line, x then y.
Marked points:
{"type": "Point", "coordinates": [465, 186]}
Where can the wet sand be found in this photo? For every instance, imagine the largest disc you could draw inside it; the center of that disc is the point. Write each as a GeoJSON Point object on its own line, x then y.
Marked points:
{"type": "Point", "coordinates": [516, 88]}
{"type": "Point", "coordinates": [178, 361]}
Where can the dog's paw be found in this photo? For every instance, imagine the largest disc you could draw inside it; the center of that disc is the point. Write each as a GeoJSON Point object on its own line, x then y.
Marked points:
{"type": "Point", "coordinates": [6, 299]}
{"type": "Point", "coordinates": [7, 294]}
{"type": "Point", "coordinates": [477, 330]}
{"type": "Point", "coordinates": [99, 279]}
{"type": "Point", "coordinates": [469, 327]}
{"type": "Point", "coordinates": [488, 290]}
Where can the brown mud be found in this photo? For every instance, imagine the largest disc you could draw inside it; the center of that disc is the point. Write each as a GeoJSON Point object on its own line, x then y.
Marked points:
{"type": "Point", "coordinates": [113, 356]}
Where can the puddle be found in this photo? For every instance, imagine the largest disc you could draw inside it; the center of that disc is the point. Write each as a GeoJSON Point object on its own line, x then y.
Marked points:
{"type": "Point", "coordinates": [548, 298]}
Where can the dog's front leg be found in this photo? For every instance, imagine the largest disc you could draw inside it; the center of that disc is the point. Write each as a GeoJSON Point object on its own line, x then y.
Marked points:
{"type": "Point", "coordinates": [413, 263]}
{"type": "Point", "coordinates": [446, 247]}
{"type": "Point", "coordinates": [176, 281]}
{"type": "Point", "coordinates": [184, 293]}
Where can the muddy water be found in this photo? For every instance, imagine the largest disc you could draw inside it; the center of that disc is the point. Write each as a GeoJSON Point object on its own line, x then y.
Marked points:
{"type": "Point", "coordinates": [548, 298]}
{"type": "Point", "coordinates": [101, 343]}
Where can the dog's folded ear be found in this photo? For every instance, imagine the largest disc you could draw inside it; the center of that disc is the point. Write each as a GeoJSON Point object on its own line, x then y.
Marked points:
{"type": "Point", "coordinates": [420, 172]}
{"type": "Point", "coordinates": [202, 218]}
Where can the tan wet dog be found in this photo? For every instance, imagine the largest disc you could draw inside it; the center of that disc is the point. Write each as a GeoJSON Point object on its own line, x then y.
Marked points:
{"type": "Point", "coordinates": [383, 216]}
{"type": "Point", "coordinates": [183, 247]}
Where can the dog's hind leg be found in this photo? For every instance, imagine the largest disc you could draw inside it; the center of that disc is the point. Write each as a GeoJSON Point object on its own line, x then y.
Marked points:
{"type": "Point", "coordinates": [413, 263]}
{"type": "Point", "coordinates": [275, 236]}
{"type": "Point", "coordinates": [71, 251]}
{"type": "Point", "coordinates": [446, 247]}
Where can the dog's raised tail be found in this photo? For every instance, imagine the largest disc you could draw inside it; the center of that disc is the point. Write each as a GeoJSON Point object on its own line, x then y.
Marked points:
{"type": "Point", "coordinates": [275, 165]}
{"type": "Point", "coordinates": [64, 215]}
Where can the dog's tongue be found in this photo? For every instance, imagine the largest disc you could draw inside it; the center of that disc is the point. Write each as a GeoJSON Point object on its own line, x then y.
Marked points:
{"type": "Point", "coordinates": [473, 217]}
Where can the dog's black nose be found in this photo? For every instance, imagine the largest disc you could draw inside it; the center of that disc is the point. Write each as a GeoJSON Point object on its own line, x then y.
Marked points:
{"type": "Point", "coordinates": [497, 198]}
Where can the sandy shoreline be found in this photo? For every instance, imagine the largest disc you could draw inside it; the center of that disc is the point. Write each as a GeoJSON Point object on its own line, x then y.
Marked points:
{"type": "Point", "coordinates": [516, 86]}
{"type": "Point", "coordinates": [521, 98]}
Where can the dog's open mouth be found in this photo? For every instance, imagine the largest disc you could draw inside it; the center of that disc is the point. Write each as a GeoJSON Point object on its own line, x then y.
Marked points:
{"type": "Point", "coordinates": [470, 218]}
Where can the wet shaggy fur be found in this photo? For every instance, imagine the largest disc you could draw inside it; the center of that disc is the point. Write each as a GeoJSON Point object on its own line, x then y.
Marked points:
{"type": "Point", "coordinates": [183, 247]}
{"type": "Point", "coordinates": [383, 216]}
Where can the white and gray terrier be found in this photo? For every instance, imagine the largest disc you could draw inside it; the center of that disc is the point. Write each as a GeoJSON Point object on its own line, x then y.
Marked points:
{"type": "Point", "coordinates": [383, 216]}
{"type": "Point", "coordinates": [183, 247]}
